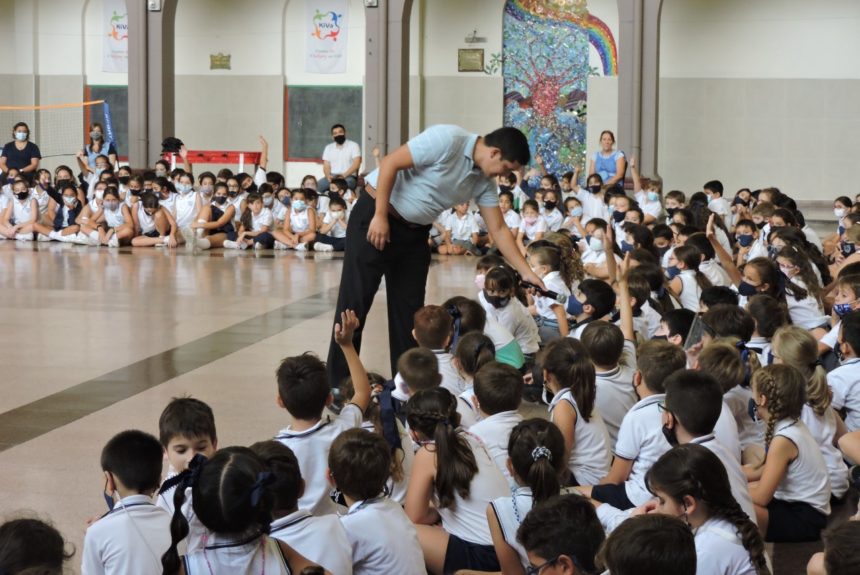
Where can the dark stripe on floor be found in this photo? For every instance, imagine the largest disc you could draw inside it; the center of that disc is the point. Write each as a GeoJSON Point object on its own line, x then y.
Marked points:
{"type": "Point", "coordinates": [49, 413]}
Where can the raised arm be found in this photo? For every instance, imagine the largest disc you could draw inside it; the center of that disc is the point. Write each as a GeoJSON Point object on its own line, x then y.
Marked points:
{"type": "Point", "coordinates": [264, 153]}
{"type": "Point", "coordinates": [343, 334]}
{"type": "Point", "coordinates": [725, 257]}
{"type": "Point", "coordinates": [608, 249]}
{"type": "Point", "coordinates": [637, 183]}
{"type": "Point", "coordinates": [624, 296]}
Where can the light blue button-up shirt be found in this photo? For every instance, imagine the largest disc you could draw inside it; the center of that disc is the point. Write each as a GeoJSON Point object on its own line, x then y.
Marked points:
{"type": "Point", "coordinates": [444, 175]}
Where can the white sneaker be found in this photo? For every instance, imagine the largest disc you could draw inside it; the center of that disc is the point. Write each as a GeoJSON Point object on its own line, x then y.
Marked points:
{"type": "Point", "coordinates": [259, 246]}
{"type": "Point", "coordinates": [243, 246]}
{"type": "Point", "coordinates": [113, 242]}
{"type": "Point", "coordinates": [43, 238]}
{"type": "Point", "coordinates": [94, 239]}
{"type": "Point", "coordinates": [190, 238]}
{"type": "Point", "coordinates": [56, 236]}
{"type": "Point", "coordinates": [321, 247]}
{"type": "Point", "coordinates": [231, 245]}
{"type": "Point", "coordinates": [80, 239]}
{"type": "Point", "coordinates": [302, 247]}
{"type": "Point", "coordinates": [280, 245]}
{"type": "Point", "coordinates": [24, 237]}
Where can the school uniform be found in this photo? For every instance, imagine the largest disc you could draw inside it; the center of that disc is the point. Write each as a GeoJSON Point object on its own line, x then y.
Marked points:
{"type": "Point", "coordinates": [719, 549]}
{"type": "Point", "coordinates": [589, 459]}
{"type": "Point", "coordinates": [185, 209]}
{"type": "Point", "coordinates": [649, 208]}
{"type": "Point", "coordinates": [510, 511]}
{"type": "Point", "coordinates": [554, 219]}
{"type": "Point", "coordinates": [593, 206]}
{"type": "Point", "coordinates": [451, 379]}
{"type": "Point", "coordinates": [762, 348]}
{"type": "Point", "coordinates": [844, 382]}
{"type": "Point", "coordinates": [507, 348]}
{"type": "Point", "coordinates": [22, 212]}
{"type": "Point", "coordinates": [812, 237]}
{"type": "Point", "coordinates": [512, 220]}
{"type": "Point", "coordinates": [495, 431]}
{"type": "Point", "coordinates": [237, 206]}
{"type": "Point", "coordinates": [726, 431]}
{"type": "Point", "coordinates": [397, 490]}
{"type": "Point", "coordinates": [146, 222]}
{"type": "Point", "coordinates": [279, 211]}
{"type": "Point", "coordinates": [470, 544]}
{"type": "Point", "coordinates": [690, 290]}
{"type": "Point", "coordinates": [320, 539]}
{"type": "Point", "coordinates": [720, 206]}
{"type": "Point", "coordinates": [113, 218]}
{"type": "Point", "coordinates": [546, 319]}
{"type": "Point", "coordinates": [530, 230]}
{"type": "Point", "coordinates": [299, 221]}
{"type": "Point", "coordinates": [311, 448]}
{"type": "Point", "coordinates": [801, 503]}
{"type": "Point", "coordinates": [129, 540]}
{"type": "Point", "coordinates": [823, 429]}
{"type": "Point", "coordinates": [461, 229]}
{"type": "Point", "coordinates": [750, 432]}
{"type": "Point", "coordinates": [715, 273]}
{"type": "Point", "coordinates": [263, 220]}
{"type": "Point", "coordinates": [737, 479]}
{"type": "Point", "coordinates": [336, 236]}
{"type": "Point", "coordinates": [248, 556]}
{"type": "Point", "coordinates": [469, 415]}
{"type": "Point", "coordinates": [641, 441]}
{"type": "Point", "coordinates": [197, 532]}
{"type": "Point", "coordinates": [807, 313]}
{"type": "Point", "coordinates": [515, 317]}
{"type": "Point", "coordinates": [42, 198]}
{"type": "Point", "coordinates": [66, 216]}
{"type": "Point", "coordinates": [651, 319]}
{"type": "Point", "coordinates": [216, 214]}
{"type": "Point", "coordinates": [615, 393]}
{"type": "Point", "coordinates": [382, 538]}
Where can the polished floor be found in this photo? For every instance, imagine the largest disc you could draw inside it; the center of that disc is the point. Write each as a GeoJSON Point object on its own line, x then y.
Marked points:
{"type": "Point", "coordinates": [94, 341]}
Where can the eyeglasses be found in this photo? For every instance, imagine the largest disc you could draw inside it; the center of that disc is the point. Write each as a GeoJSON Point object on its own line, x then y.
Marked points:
{"type": "Point", "coordinates": [536, 569]}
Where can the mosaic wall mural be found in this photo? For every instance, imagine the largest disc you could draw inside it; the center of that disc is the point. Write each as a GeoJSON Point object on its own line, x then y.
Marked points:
{"type": "Point", "coordinates": [545, 65]}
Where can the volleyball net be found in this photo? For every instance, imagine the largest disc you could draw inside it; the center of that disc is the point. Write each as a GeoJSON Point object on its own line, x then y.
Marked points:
{"type": "Point", "coordinates": [60, 130]}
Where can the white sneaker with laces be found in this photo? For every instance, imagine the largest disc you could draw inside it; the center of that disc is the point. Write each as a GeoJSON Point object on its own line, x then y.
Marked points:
{"type": "Point", "coordinates": [231, 245]}
{"type": "Point", "coordinates": [302, 247]}
{"type": "Point", "coordinates": [258, 246]}
{"type": "Point", "coordinates": [113, 242]}
{"type": "Point", "coordinates": [280, 245]}
{"type": "Point", "coordinates": [321, 247]}
{"type": "Point", "coordinates": [42, 238]}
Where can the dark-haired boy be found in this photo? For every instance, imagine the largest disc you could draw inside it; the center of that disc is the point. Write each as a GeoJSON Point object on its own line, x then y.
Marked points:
{"type": "Point", "coordinates": [433, 329]}
{"type": "Point", "coordinates": [652, 544]}
{"type": "Point", "coordinates": [304, 391]}
{"type": "Point", "coordinates": [320, 539]}
{"type": "Point", "coordinates": [844, 381]}
{"type": "Point", "coordinates": [561, 535]}
{"type": "Point", "coordinates": [135, 533]}
{"type": "Point", "coordinates": [498, 392]}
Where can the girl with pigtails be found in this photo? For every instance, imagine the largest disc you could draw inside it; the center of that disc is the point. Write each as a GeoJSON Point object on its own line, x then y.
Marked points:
{"type": "Point", "coordinates": [691, 482]}
{"type": "Point", "coordinates": [791, 489]}
{"type": "Point", "coordinates": [232, 497]}
{"type": "Point", "coordinates": [454, 478]}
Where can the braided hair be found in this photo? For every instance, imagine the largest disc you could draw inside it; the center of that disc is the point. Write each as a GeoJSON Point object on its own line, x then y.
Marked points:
{"type": "Point", "coordinates": [798, 348]}
{"type": "Point", "coordinates": [785, 390]}
{"type": "Point", "coordinates": [433, 414]}
{"type": "Point", "coordinates": [693, 470]}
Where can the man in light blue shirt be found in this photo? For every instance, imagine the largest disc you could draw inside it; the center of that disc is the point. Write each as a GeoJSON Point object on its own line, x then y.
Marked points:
{"type": "Point", "coordinates": [389, 225]}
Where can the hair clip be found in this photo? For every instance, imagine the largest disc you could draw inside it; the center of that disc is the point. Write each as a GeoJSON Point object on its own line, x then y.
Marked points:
{"type": "Point", "coordinates": [541, 452]}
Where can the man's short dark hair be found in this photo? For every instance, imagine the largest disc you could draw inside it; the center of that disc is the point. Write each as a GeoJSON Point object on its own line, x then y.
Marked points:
{"type": "Point", "coordinates": [604, 342]}
{"type": "Point", "coordinates": [336, 126]}
{"type": "Point", "coordinates": [563, 525]}
{"type": "Point", "coordinates": [303, 385]}
{"type": "Point", "coordinates": [186, 417]}
{"type": "Point", "coordinates": [851, 330]}
{"type": "Point", "coordinates": [696, 399]}
{"type": "Point", "coordinates": [679, 321]}
{"type": "Point", "coordinates": [513, 144]}
{"type": "Point", "coordinates": [650, 544]}
{"type": "Point", "coordinates": [135, 458]}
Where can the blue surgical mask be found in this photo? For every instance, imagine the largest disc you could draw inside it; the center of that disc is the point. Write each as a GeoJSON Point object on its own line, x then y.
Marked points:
{"type": "Point", "coordinates": [21, 136]}
{"type": "Point", "coordinates": [626, 247]}
{"type": "Point", "coordinates": [653, 196]}
{"type": "Point", "coordinates": [745, 240]}
{"type": "Point", "coordinates": [747, 290]}
{"type": "Point", "coordinates": [574, 306]}
{"type": "Point", "coordinates": [596, 244]}
{"type": "Point", "coordinates": [843, 309]}
{"type": "Point", "coordinates": [576, 212]}
{"type": "Point", "coordinates": [299, 205]}
{"type": "Point", "coordinates": [183, 188]}
{"type": "Point", "coordinates": [672, 272]}
{"type": "Point", "coordinates": [285, 200]}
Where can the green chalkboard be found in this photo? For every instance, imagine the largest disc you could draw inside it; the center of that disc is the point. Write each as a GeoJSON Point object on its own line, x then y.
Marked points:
{"type": "Point", "coordinates": [311, 112]}
{"type": "Point", "coordinates": [117, 99]}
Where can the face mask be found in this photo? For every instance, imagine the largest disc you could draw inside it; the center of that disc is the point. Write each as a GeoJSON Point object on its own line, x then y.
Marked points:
{"type": "Point", "coordinates": [497, 301]}
{"type": "Point", "coordinates": [124, 180]}
{"type": "Point", "coordinates": [786, 270]}
{"type": "Point", "coordinates": [108, 500]}
{"type": "Point", "coordinates": [843, 309]}
{"type": "Point", "coordinates": [111, 205]}
{"type": "Point", "coordinates": [753, 412]}
{"type": "Point", "coordinates": [530, 220]}
{"type": "Point", "coordinates": [760, 225]}
{"type": "Point", "coordinates": [772, 251]}
{"type": "Point", "coordinates": [672, 272]}
{"type": "Point", "coordinates": [595, 244]}
{"type": "Point", "coordinates": [662, 251]}
{"type": "Point", "coordinates": [70, 200]}
{"type": "Point", "coordinates": [220, 200]}
{"type": "Point", "coordinates": [711, 199]}
{"type": "Point", "coordinates": [22, 195]}
{"type": "Point", "coordinates": [207, 190]}
{"type": "Point", "coordinates": [339, 140]}
{"type": "Point", "coordinates": [232, 193]}
{"type": "Point", "coordinates": [594, 189]}
{"type": "Point", "coordinates": [63, 181]}
{"type": "Point", "coordinates": [285, 200]}
{"type": "Point", "coordinates": [653, 196]}
{"type": "Point", "coordinates": [745, 240]}
{"type": "Point", "coordinates": [618, 217]}
{"type": "Point", "coordinates": [504, 189]}
{"type": "Point", "coordinates": [576, 212]}
{"type": "Point", "coordinates": [626, 247]}
{"type": "Point", "coordinates": [545, 395]}
{"type": "Point", "coordinates": [100, 194]}
{"type": "Point", "coordinates": [574, 306]}
{"type": "Point", "coordinates": [160, 174]}
{"type": "Point", "coordinates": [299, 205]}
{"type": "Point", "coordinates": [21, 136]}
{"type": "Point", "coordinates": [184, 188]}
{"type": "Point", "coordinates": [268, 201]}
{"type": "Point", "coordinates": [847, 249]}
{"type": "Point", "coordinates": [337, 215]}
{"type": "Point", "coordinates": [549, 206]}
{"type": "Point", "coordinates": [661, 337]}
{"type": "Point", "coordinates": [671, 212]}
{"type": "Point", "coordinates": [839, 212]}
{"type": "Point", "coordinates": [96, 135]}
{"type": "Point", "coordinates": [747, 290]}
{"type": "Point", "coordinates": [134, 192]}
{"type": "Point", "coordinates": [671, 436]}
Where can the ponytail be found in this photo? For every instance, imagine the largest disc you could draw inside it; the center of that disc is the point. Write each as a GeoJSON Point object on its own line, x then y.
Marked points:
{"type": "Point", "coordinates": [473, 351]}
{"type": "Point", "coordinates": [536, 448]}
{"type": "Point", "coordinates": [170, 561]}
{"type": "Point", "coordinates": [568, 361]}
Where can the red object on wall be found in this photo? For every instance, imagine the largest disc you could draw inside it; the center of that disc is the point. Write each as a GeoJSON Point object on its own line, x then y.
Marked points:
{"type": "Point", "coordinates": [217, 157]}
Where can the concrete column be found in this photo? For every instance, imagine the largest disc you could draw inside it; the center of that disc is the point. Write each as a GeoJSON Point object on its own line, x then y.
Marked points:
{"type": "Point", "coordinates": [386, 92]}
{"type": "Point", "coordinates": [150, 80]}
{"type": "Point", "coordinates": [639, 80]}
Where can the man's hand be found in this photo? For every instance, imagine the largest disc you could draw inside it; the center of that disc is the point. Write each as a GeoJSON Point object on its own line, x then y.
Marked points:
{"type": "Point", "coordinates": [533, 278]}
{"type": "Point", "coordinates": [378, 232]}
{"type": "Point", "coordinates": [344, 330]}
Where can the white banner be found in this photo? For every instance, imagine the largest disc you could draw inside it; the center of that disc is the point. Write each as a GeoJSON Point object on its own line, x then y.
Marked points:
{"type": "Point", "coordinates": [325, 48]}
{"type": "Point", "coordinates": [115, 34]}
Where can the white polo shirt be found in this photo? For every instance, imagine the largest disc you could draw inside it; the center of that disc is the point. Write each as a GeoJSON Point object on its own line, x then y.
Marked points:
{"type": "Point", "coordinates": [515, 318]}
{"type": "Point", "coordinates": [338, 230]}
{"type": "Point", "coordinates": [451, 379]}
{"type": "Point", "coordinates": [319, 539]}
{"type": "Point", "coordinates": [383, 539]}
{"type": "Point", "coordinates": [844, 382]}
{"type": "Point", "coordinates": [719, 550]}
{"type": "Point", "coordinates": [264, 218]}
{"type": "Point", "coordinates": [726, 432]}
{"type": "Point", "coordinates": [543, 305]}
{"type": "Point", "coordinates": [495, 431]}
{"type": "Point", "coordinates": [129, 540]}
{"type": "Point", "coordinates": [737, 479]}
{"type": "Point", "coordinates": [589, 459]}
{"type": "Point", "coordinates": [641, 441]}
{"type": "Point", "coordinates": [341, 157]}
{"type": "Point", "coordinates": [461, 227]}
{"type": "Point", "coordinates": [531, 230]}
{"type": "Point", "coordinates": [311, 448]}
{"type": "Point", "coordinates": [749, 432]}
{"type": "Point", "coordinates": [615, 393]}
{"type": "Point", "coordinates": [512, 219]}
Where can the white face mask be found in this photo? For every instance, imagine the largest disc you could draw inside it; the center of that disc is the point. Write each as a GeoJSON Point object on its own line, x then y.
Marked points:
{"type": "Point", "coordinates": [596, 244]}
{"type": "Point", "coordinates": [184, 188]}
{"type": "Point", "coordinates": [337, 215]}
{"type": "Point", "coordinates": [100, 194]}
{"type": "Point", "coordinates": [839, 212]}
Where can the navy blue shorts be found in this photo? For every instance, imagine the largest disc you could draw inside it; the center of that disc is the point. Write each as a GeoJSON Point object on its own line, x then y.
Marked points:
{"type": "Point", "coordinates": [463, 554]}
{"type": "Point", "coordinates": [793, 522]}
{"type": "Point", "coordinates": [615, 494]}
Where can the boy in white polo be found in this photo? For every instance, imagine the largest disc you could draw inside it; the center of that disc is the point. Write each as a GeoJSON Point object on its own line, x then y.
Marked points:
{"type": "Point", "coordinates": [131, 538]}
{"type": "Point", "coordinates": [844, 381]}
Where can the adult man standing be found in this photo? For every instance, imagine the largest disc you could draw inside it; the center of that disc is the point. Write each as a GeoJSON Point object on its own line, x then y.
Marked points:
{"type": "Point", "coordinates": [388, 229]}
{"type": "Point", "coordinates": [341, 159]}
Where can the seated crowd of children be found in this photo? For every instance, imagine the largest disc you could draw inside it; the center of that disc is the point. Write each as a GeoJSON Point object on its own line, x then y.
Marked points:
{"type": "Point", "coordinates": [696, 361]}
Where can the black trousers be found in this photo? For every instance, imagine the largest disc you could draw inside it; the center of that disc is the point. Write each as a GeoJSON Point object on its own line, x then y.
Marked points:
{"type": "Point", "coordinates": [403, 263]}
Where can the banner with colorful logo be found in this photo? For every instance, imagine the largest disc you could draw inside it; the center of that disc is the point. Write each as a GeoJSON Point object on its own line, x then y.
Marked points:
{"type": "Point", "coordinates": [325, 47]}
{"type": "Point", "coordinates": [115, 42]}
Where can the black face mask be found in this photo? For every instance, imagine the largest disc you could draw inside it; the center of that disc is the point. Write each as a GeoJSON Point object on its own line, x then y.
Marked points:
{"type": "Point", "coordinates": [671, 436]}
{"type": "Point", "coordinates": [62, 182]}
{"type": "Point", "coordinates": [761, 224]}
{"type": "Point", "coordinates": [232, 193]}
{"type": "Point", "coordinates": [22, 195]}
{"type": "Point", "coordinates": [134, 192]}
{"type": "Point", "coordinates": [618, 217]}
{"type": "Point", "coordinates": [594, 189]}
{"type": "Point", "coordinates": [220, 200]}
{"type": "Point", "coordinates": [504, 189]}
{"type": "Point", "coordinates": [661, 337]}
{"type": "Point", "coordinates": [550, 205]}
{"type": "Point", "coordinates": [751, 409]}
{"type": "Point", "coordinates": [497, 301]}
{"type": "Point", "coordinates": [662, 251]}
{"type": "Point", "coordinates": [671, 212]}
{"type": "Point", "coordinates": [847, 249]}
{"type": "Point", "coordinates": [124, 180]}
{"type": "Point", "coordinates": [339, 140]}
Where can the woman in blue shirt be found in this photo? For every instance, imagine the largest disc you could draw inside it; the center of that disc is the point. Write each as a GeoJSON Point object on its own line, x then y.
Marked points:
{"type": "Point", "coordinates": [610, 164]}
